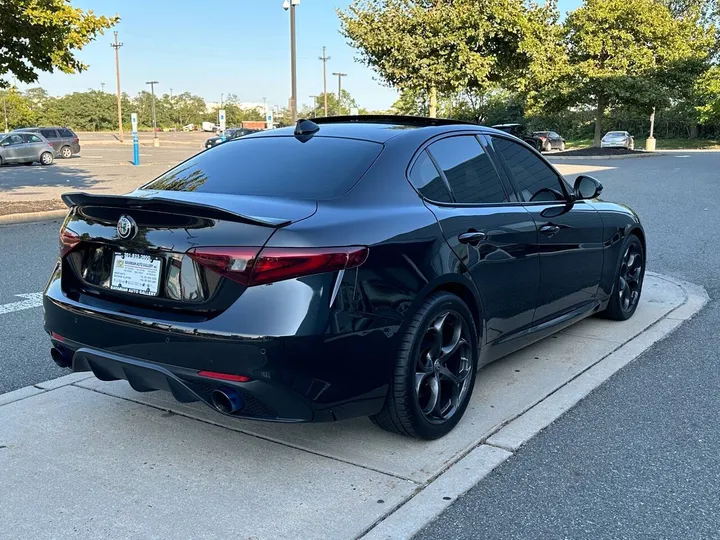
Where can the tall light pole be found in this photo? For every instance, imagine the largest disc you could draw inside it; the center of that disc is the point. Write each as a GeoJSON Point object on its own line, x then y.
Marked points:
{"type": "Point", "coordinates": [290, 4]}
{"type": "Point", "coordinates": [340, 76]}
{"type": "Point", "coordinates": [102, 87]}
{"type": "Point", "coordinates": [152, 91]}
{"type": "Point", "coordinates": [324, 59]}
{"type": "Point", "coordinates": [117, 46]}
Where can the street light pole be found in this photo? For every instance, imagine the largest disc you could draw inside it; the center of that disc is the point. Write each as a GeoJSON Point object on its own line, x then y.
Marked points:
{"type": "Point", "coordinates": [152, 91]}
{"type": "Point", "coordinates": [102, 86]}
{"type": "Point", "coordinates": [340, 76]}
{"type": "Point", "coordinates": [291, 4]}
{"type": "Point", "coordinates": [117, 46]}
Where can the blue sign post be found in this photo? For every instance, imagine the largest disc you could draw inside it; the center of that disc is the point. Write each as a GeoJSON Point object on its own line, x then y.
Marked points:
{"type": "Point", "coordinates": [136, 143]}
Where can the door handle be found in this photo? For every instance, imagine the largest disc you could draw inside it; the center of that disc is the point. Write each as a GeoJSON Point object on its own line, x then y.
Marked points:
{"type": "Point", "coordinates": [471, 237]}
{"type": "Point", "coordinates": [549, 230]}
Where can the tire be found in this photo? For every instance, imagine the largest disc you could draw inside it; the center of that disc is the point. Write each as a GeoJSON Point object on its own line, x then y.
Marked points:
{"type": "Point", "coordinates": [562, 146]}
{"type": "Point", "coordinates": [46, 158]}
{"type": "Point", "coordinates": [408, 407]}
{"type": "Point", "coordinates": [548, 146]}
{"type": "Point", "coordinates": [631, 146]}
{"type": "Point", "coordinates": [629, 276]}
{"type": "Point", "coordinates": [66, 152]}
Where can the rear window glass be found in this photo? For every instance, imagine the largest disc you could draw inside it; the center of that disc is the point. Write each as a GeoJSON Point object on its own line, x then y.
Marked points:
{"type": "Point", "coordinates": [49, 133]}
{"type": "Point", "coordinates": [66, 133]}
{"type": "Point", "coordinates": [320, 168]}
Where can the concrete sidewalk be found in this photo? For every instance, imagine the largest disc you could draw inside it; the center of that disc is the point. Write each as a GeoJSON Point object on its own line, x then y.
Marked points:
{"type": "Point", "coordinates": [80, 458]}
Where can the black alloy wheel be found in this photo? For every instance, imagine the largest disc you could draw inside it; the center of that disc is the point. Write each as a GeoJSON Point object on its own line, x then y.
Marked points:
{"type": "Point", "coordinates": [435, 370]}
{"type": "Point", "coordinates": [628, 284]}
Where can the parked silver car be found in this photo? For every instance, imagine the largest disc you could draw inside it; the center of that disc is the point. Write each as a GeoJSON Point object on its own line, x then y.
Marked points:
{"type": "Point", "coordinates": [25, 148]}
{"type": "Point", "coordinates": [64, 140]}
{"type": "Point", "coordinates": [618, 139]}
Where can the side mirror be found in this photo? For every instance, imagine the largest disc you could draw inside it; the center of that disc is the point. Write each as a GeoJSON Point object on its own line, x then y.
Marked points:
{"type": "Point", "coordinates": [587, 187]}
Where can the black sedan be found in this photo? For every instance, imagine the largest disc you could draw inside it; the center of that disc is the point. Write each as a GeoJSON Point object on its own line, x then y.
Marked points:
{"type": "Point", "coordinates": [227, 135]}
{"type": "Point", "coordinates": [352, 266]}
{"type": "Point", "coordinates": [550, 140]}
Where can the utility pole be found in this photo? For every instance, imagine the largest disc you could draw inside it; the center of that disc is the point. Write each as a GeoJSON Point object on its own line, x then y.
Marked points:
{"type": "Point", "coordinates": [117, 46]}
{"type": "Point", "coordinates": [340, 76]}
{"type": "Point", "coordinates": [102, 87]}
{"type": "Point", "coordinates": [152, 84]}
{"type": "Point", "coordinates": [314, 102]}
{"type": "Point", "coordinates": [291, 5]}
{"type": "Point", "coordinates": [324, 59]}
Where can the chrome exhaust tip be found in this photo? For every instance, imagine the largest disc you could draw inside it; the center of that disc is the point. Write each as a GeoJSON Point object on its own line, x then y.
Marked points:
{"type": "Point", "coordinates": [227, 400]}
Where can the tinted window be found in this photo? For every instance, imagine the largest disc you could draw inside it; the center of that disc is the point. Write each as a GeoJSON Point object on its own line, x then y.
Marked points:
{"type": "Point", "coordinates": [49, 133]}
{"type": "Point", "coordinates": [535, 180]}
{"type": "Point", "coordinates": [320, 168]}
{"type": "Point", "coordinates": [32, 138]}
{"type": "Point", "coordinates": [426, 178]}
{"type": "Point", "coordinates": [469, 171]}
{"type": "Point", "coordinates": [65, 133]}
{"type": "Point", "coordinates": [13, 139]}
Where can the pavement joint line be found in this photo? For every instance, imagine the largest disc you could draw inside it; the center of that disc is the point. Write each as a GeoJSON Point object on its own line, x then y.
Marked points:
{"type": "Point", "coordinates": [254, 435]}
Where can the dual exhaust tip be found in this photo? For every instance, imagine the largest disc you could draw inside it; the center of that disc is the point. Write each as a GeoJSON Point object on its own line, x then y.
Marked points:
{"type": "Point", "coordinates": [227, 400]}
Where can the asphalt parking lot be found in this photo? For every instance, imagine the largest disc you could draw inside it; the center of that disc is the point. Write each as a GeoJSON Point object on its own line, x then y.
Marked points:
{"type": "Point", "coordinates": [637, 458]}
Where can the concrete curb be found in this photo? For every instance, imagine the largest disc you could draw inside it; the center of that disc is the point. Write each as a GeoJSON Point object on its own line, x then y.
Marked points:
{"type": "Point", "coordinates": [583, 158]}
{"type": "Point", "coordinates": [32, 217]}
{"type": "Point", "coordinates": [432, 499]}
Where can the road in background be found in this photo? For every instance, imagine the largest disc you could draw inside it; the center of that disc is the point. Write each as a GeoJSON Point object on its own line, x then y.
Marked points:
{"type": "Point", "coordinates": [639, 457]}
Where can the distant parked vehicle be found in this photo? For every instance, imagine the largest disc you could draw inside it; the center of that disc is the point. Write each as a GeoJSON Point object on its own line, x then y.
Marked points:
{"type": "Point", "coordinates": [550, 140]}
{"type": "Point", "coordinates": [63, 139]}
{"type": "Point", "coordinates": [522, 133]}
{"type": "Point", "coordinates": [189, 127]}
{"type": "Point", "coordinates": [25, 148]}
{"type": "Point", "coordinates": [209, 126]}
{"type": "Point", "coordinates": [618, 139]}
{"type": "Point", "coordinates": [230, 133]}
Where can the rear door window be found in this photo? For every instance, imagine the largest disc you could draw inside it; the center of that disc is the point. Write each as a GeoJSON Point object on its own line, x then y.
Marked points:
{"type": "Point", "coordinates": [66, 133]}
{"type": "Point", "coordinates": [319, 168]}
{"type": "Point", "coordinates": [29, 137]}
{"type": "Point", "coordinates": [427, 180]}
{"type": "Point", "coordinates": [49, 133]}
{"type": "Point", "coordinates": [470, 173]}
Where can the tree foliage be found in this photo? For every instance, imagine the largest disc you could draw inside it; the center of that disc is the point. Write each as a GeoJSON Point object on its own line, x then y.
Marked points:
{"type": "Point", "coordinates": [445, 45]}
{"type": "Point", "coordinates": [43, 35]}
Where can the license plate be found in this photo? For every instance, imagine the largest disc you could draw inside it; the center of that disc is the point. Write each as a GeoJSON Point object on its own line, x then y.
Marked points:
{"type": "Point", "coordinates": [135, 273]}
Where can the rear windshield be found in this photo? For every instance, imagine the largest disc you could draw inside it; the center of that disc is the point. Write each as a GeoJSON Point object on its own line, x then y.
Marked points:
{"type": "Point", "coordinates": [615, 134]}
{"type": "Point", "coordinates": [320, 168]}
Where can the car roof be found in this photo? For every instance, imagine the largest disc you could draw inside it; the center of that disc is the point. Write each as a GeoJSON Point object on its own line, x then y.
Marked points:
{"type": "Point", "coordinates": [506, 125]}
{"type": "Point", "coordinates": [375, 128]}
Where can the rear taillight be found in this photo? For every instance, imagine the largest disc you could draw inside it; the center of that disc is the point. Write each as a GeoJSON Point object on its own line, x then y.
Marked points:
{"type": "Point", "coordinates": [253, 266]}
{"type": "Point", "coordinates": [68, 240]}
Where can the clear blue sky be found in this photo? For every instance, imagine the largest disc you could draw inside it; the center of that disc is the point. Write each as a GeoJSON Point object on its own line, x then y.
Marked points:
{"type": "Point", "coordinates": [224, 46]}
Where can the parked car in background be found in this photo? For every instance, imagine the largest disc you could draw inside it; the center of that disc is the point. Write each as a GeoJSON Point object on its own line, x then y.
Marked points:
{"type": "Point", "coordinates": [209, 126]}
{"type": "Point", "coordinates": [550, 140]}
{"type": "Point", "coordinates": [25, 148]}
{"type": "Point", "coordinates": [346, 266]}
{"type": "Point", "coordinates": [618, 139]}
{"type": "Point", "coordinates": [522, 133]}
{"type": "Point", "coordinates": [63, 139]}
{"type": "Point", "coordinates": [228, 134]}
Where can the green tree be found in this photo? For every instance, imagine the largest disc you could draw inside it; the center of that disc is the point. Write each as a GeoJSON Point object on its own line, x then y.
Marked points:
{"type": "Point", "coordinates": [707, 89]}
{"type": "Point", "coordinates": [443, 46]}
{"type": "Point", "coordinates": [19, 109]}
{"type": "Point", "coordinates": [624, 52]}
{"type": "Point", "coordinates": [43, 35]}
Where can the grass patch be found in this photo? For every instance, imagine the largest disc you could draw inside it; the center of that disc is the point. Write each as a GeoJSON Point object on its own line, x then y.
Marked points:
{"type": "Point", "coordinates": [660, 144]}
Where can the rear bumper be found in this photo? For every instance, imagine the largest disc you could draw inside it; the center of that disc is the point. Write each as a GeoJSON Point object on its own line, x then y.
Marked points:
{"type": "Point", "coordinates": [294, 378]}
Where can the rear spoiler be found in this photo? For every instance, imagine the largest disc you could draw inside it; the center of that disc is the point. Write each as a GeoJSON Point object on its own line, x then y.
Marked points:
{"type": "Point", "coordinates": [162, 204]}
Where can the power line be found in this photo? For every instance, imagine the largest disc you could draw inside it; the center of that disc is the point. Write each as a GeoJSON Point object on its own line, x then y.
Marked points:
{"type": "Point", "coordinates": [117, 46]}
{"type": "Point", "coordinates": [324, 59]}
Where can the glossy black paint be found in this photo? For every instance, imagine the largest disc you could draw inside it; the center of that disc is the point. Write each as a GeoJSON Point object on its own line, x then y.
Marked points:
{"type": "Point", "coordinates": [323, 347]}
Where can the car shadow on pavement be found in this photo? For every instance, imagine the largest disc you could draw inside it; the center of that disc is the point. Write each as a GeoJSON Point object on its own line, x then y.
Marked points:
{"type": "Point", "coordinates": [16, 177]}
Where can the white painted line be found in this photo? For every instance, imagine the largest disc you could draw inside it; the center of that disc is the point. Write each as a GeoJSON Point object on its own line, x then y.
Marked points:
{"type": "Point", "coordinates": [412, 516]}
{"type": "Point", "coordinates": [32, 300]}
{"type": "Point", "coordinates": [92, 157]}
